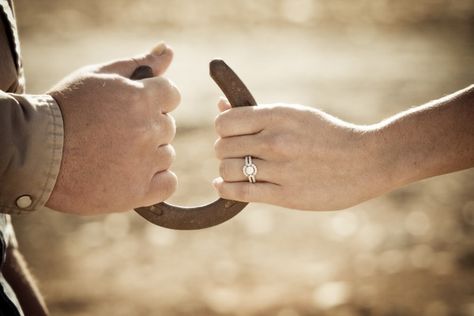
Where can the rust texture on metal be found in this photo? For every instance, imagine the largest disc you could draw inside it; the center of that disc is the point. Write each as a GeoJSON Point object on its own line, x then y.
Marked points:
{"type": "Point", "coordinates": [221, 210]}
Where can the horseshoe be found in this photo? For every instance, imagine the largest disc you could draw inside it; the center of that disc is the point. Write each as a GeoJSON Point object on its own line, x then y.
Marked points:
{"type": "Point", "coordinates": [221, 210]}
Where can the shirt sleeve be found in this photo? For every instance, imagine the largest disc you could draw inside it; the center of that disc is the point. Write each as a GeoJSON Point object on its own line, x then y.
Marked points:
{"type": "Point", "coordinates": [31, 144]}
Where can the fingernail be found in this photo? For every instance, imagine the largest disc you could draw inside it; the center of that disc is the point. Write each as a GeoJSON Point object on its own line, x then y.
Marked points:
{"type": "Point", "coordinates": [223, 99]}
{"type": "Point", "coordinates": [159, 49]}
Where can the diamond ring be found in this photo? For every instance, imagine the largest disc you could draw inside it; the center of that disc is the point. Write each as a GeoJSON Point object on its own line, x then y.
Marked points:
{"type": "Point", "coordinates": [250, 169]}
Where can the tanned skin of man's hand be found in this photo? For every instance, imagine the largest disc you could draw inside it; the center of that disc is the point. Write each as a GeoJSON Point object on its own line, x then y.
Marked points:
{"type": "Point", "coordinates": [117, 151]}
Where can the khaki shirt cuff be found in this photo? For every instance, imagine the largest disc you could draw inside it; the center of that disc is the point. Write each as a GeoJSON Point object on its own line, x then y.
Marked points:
{"type": "Point", "coordinates": [37, 134]}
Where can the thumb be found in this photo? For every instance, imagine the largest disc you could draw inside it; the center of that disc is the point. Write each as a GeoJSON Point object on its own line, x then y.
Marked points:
{"type": "Point", "coordinates": [223, 104]}
{"type": "Point", "coordinates": [159, 59]}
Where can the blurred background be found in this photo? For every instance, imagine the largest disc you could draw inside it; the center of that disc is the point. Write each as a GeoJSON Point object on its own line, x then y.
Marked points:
{"type": "Point", "coordinates": [410, 252]}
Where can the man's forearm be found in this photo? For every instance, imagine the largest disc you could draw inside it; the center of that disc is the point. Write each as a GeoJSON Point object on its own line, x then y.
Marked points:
{"type": "Point", "coordinates": [429, 140]}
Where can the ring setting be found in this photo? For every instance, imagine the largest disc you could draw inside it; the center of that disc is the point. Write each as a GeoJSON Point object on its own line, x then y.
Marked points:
{"type": "Point", "coordinates": [250, 169]}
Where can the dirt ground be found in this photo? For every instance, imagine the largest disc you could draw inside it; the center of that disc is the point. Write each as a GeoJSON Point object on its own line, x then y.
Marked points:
{"type": "Point", "coordinates": [410, 252]}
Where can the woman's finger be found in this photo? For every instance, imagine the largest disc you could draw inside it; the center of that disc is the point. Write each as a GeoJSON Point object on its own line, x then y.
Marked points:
{"type": "Point", "coordinates": [240, 146]}
{"type": "Point", "coordinates": [242, 121]}
{"type": "Point", "coordinates": [223, 105]}
{"type": "Point", "coordinates": [248, 192]}
{"type": "Point", "coordinates": [231, 170]}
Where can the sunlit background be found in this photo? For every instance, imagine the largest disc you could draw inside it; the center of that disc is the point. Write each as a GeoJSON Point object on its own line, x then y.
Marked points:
{"type": "Point", "coordinates": [407, 253]}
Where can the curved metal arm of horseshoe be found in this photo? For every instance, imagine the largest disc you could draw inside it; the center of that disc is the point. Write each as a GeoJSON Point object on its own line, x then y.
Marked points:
{"type": "Point", "coordinates": [221, 210]}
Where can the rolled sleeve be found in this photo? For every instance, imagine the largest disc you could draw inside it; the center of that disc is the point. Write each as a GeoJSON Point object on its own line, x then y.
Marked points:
{"type": "Point", "coordinates": [31, 144]}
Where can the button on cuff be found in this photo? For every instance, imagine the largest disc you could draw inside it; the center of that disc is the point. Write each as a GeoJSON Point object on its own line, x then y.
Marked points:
{"type": "Point", "coordinates": [24, 201]}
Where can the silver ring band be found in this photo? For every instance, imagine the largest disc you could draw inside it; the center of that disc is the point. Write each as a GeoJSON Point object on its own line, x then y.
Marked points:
{"type": "Point", "coordinates": [250, 169]}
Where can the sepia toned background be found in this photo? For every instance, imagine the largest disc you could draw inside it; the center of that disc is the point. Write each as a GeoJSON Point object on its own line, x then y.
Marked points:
{"type": "Point", "coordinates": [410, 252]}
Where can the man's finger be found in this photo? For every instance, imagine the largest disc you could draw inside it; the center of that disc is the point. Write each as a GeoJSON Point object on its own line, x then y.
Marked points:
{"type": "Point", "coordinates": [162, 186]}
{"type": "Point", "coordinates": [162, 92]}
{"type": "Point", "coordinates": [159, 59]}
{"type": "Point", "coordinates": [165, 129]}
{"type": "Point", "coordinates": [165, 156]}
{"type": "Point", "coordinates": [246, 191]}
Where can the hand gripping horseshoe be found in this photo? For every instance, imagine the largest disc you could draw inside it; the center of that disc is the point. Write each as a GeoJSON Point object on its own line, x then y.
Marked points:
{"type": "Point", "coordinates": [221, 210]}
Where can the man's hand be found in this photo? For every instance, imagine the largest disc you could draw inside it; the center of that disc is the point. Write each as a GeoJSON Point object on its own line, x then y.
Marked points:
{"type": "Point", "coordinates": [118, 131]}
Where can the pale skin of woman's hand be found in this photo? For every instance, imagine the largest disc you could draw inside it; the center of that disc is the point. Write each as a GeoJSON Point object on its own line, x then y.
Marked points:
{"type": "Point", "coordinates": [310, 160]}
{"type": "Point", "coordinates": [117, 151]}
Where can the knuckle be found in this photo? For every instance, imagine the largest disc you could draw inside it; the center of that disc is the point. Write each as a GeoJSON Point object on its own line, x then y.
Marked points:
{"type": "Point", "coordinates": [279, 110]}
{"type": "Point", "coordinates": [170, 183]}
{"type": "Point", "coordinates": [270, 114]}
{"type": "Point", "coordinates": [221, 190]}
{"type": "Point", "coordinates": [167, 155]}
{"type": "Point", "coordinates": [168, 129]}
{"type": "Point", "coordinates": [219, 125]}
{"type": "Point", "coordinates": [224, 124]}
{"type": "Point", "coordinates": [218, 148]}
{"type": "Point", "coordinates": [171, 153]}
{"type": "Point", "coordinates": [89, 69]}
{"type": "Point", "coordinates": [94, 81]}
{"type": "Point", "coordinates": [176, 98]}
{"type": "Point", "coordinates": [267, 110]}
{"type": "Point", "coordinates": [277, 113]}
{"type": "Point", "coordinates": [170, 95]}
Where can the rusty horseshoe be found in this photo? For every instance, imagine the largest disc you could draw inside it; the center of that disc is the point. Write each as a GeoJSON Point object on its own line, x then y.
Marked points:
{"type": "Point", "coordinates": [221, 210]}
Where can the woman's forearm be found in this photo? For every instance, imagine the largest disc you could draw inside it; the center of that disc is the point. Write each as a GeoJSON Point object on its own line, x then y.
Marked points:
{"type": "Point", "coordinates": [429, 140]}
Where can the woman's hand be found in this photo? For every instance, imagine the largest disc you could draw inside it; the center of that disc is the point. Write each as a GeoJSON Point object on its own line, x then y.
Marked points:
{"type": "Point", "coordinates": [306, 159]}
{"type": "Point", "coordinates": [310, 160]}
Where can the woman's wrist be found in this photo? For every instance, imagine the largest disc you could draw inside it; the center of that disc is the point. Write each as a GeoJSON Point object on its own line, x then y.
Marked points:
{"type": "Point", "coordinates": [370, 168]}
{"type": "Point", "coordinates": [388, 157]}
